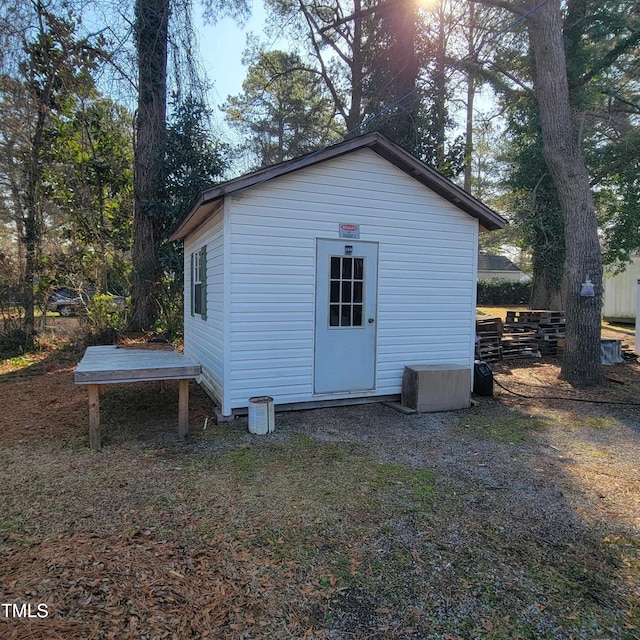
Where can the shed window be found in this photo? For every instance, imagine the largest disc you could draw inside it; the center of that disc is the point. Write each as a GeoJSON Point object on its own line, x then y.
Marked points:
{"type": "Point", "coordinates": [199, 283]}
{"type": "Point", "coordinates": [346, 277]}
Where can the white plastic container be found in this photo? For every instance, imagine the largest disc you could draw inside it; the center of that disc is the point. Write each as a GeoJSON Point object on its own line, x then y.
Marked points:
{"type": "Point", "coordinates": [261, 415]}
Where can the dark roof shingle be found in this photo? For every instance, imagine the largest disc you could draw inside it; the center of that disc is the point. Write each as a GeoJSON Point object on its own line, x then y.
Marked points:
{"type": "Point", "coordinates": [487, 262]}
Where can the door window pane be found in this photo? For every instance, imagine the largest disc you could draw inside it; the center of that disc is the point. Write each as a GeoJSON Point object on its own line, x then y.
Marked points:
{"type": "Point", "coordinates": [358, 268]}
{"type": "Point", "coordinates": [357, 291]}
{"type": "Point", "coordinates": [335, 268]}
{"type": "Point", "coordinates": [346, 291]}
{"type": "Point", "coordinates": [347, 264]}
{"type": "Point", "coordinates": [335, 292]}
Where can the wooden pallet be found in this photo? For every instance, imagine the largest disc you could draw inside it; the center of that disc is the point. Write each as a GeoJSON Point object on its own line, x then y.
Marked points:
{"type": "Point", "coordinates": [518, 345]}
{"type": "Point", "coordinates": [488, 334]}
{"type": "Point", "coordinates": [548, 327]}
{"type": "Point", "coordinates": [489, 325]}
{"type": "Point", "coordinates": [536, 317]}
{"type": "Point", "coordinates": [493, 354]}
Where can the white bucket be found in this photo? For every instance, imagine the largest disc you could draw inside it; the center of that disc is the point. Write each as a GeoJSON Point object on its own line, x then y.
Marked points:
{"type": "Point", "coordinates": [261, 415]}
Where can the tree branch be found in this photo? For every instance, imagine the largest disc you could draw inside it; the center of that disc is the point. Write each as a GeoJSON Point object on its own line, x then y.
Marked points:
{"type": "Point", "coordinates": [339, 104]}
{"type": "Point", "coordinates": [608, 59]}
{"type": "Point", "coordinates": [503, 4]}
{"type": "Point", "coordinates": [616, 96]}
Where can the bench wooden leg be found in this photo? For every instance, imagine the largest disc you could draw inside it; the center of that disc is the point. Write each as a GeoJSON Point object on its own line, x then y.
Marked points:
{"type": "Point", "coordinates": [183, 409]}
{"type": "Point", "coordinates": [94, 416]}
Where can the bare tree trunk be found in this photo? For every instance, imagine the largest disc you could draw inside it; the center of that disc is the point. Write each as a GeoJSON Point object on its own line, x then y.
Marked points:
{"type": "Point", "coordinates": [440, 91]}
{"type": "Point", "coordinates": [151, 29]}
{"type": "Point", "coordinates": [471, 92]}
{"type": "Point", "coordinates": [355, 108]}
{"type": "Point", "coordinates": [403, 70]}
{"type": "Point", "coordinates": [32, 221]}
{"type": "Point", "coordinates": [581, 366]}
{"type": "Point", "coordinates": [544, 296]}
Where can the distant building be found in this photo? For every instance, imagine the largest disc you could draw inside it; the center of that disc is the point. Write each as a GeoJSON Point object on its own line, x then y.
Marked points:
{"type": "Point", "coordinates": [621, 294]}
{"type": "Point", "coordinates": [499, 268]}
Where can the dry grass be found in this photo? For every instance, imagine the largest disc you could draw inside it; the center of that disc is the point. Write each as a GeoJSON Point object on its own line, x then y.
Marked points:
{"type": "Point", "coordinates": [518, 519]}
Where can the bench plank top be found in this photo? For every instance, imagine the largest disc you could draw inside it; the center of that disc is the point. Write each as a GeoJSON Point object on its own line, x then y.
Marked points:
{"type": "Point", "coordinates": [113, 364]}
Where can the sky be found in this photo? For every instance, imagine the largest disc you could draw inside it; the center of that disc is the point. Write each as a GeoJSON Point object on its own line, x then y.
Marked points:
{"type": "Point", "coordinates": [221, 48]}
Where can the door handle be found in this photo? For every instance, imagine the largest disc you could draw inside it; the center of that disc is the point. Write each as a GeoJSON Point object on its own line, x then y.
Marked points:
{"type": "Point", "coordinates": [371, 320]}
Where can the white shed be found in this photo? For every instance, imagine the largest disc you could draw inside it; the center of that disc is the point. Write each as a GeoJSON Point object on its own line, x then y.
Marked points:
{"type": "Point", "coordinates": [621, 294]}
{"type": "Point", "coordinates": [317, 280]}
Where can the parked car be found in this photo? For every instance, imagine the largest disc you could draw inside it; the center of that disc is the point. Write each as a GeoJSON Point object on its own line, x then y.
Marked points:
{"type": "Point", "coordinates": [66, 303]}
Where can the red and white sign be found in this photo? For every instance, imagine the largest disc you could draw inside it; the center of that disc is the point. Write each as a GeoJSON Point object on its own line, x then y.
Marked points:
{"type": "Point", "coordinates": [346, 230]}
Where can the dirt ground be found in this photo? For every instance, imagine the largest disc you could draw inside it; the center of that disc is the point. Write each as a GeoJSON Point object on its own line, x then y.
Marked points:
{"type": "Point", "coordinates": [518, 518]}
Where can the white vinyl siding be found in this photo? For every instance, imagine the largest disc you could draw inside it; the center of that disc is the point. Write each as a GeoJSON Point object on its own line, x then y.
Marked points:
{"type": "Point", "coordinates": [204, 338]}
{"type": "Point", "coordinates": [427, 274]}
{"type": "Point", "coordinates": [620, 297]}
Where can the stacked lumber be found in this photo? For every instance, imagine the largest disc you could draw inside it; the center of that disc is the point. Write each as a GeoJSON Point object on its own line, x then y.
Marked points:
{"type": "Point", "coordinates": [488, 337]}
{"type": "Point", "coordinates": [547, 328]}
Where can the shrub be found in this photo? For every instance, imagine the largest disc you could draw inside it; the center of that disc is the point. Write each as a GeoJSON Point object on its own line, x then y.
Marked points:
{"type": "Point", "coordinates": [14, 341]}
{"type": "Point", "coordinates": [105, 320]}
{"type": "Point", "coordinates": [500, 292]}
{"type": "Point", "coordinates": [170, 323]}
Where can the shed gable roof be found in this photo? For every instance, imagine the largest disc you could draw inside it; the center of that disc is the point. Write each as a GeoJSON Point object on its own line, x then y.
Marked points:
{"type": "Point", "coordinates": [396, 155]}
{"type": "Point", "coordinates": [488, 262]}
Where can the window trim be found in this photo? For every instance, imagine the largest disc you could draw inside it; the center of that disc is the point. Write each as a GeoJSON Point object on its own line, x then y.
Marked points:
{"type": "Point", "coordinates": [199, 283]}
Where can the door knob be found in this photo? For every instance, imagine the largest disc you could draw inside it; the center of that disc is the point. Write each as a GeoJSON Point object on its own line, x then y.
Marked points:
{"type": "Point", "coordinates": [371, 320]}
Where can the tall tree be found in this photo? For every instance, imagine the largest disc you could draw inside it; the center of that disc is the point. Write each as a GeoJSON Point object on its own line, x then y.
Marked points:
{"type": "Point", "coordinates": [602, 42]}
{"type": "Point", "coordinates": [89, 176]}
{"type": "Point", "coordinates": [334, 42]}
{"type": "Point", "coordinates": [194, 160]}
{"type": "Point", "coordinates": [371, 57]}
{"type": "Point", "coordinates": [152, 29]}
{"type": "Point", "coordinates": [581, 365]}
{"type": "Point", "coordinates": [55, 66]}
{"type": "Point", "coordinates": [151, 33]}
{"type": "Point", "coordinates": [283, 111]}
{"type": "Point", "coordinates": [477, 26]}
{"type": "Point", "coordinates": [538, 214]}
{"type": "Point", "coordinates": [601, 47]}
{"type": "Point", "coordinates": [392, 71]}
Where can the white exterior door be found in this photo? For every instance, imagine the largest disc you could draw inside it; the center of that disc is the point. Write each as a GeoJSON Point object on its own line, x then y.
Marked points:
{"type": "Point", "coordinates": [346, 302]}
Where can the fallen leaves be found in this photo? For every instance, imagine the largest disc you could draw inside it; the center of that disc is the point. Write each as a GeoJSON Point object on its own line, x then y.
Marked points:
{"type": "Point", "coordinates": [117, 588]}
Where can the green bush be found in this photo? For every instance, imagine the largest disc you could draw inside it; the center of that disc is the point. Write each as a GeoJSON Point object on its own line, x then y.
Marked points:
{"type": "Point", "coordinates": [500, 292]}
{"type": "Point", "coordinates": [170, 323]}
{"type": "Point", "coordinates": [105, 320]}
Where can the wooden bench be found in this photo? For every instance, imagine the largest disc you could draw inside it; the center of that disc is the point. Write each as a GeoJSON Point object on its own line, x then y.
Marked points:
{"type": "Point", "coordinates": [117, 365]}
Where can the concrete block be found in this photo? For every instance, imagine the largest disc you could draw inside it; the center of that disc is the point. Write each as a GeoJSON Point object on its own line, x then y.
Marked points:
{"type": "Point", "coordinates": [436, 387]}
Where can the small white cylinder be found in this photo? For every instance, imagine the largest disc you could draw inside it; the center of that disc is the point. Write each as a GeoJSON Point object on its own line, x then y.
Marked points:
{"type": "Point", "coordinates": [261, 415]}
